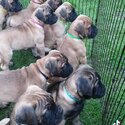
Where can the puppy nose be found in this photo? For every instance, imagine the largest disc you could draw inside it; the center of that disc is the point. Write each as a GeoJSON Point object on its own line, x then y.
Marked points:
{"type": "Point", "coordinates": [72, 16]}
{"type": "Point", "coordinates": [92, 31]}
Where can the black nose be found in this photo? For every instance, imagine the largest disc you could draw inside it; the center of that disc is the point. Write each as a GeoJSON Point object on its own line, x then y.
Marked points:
{"type": "Point", "coordinates": [16, 6]}
{"type": "Point", "coordinates": [73, 15]}
{"type": "Point", "coordinates": [67, 70]}
{"type": "Point", "coordinates": [92, 31]}
{"type": "Point", "coordinates": [99, 91]}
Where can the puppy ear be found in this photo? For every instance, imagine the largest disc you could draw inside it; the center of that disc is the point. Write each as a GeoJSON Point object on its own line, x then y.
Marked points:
{"type": "Point", "coordinates": [80, 28]}
{"type": "Point", "coordinates": [51, 66]}
{"type": "Point", "coordinates": [63, 13]}
{"type": "Point", "coordinates": [83, 87]}
{"type": "Point", "coordinates": [26, 115]}
{"type": "Point", "coordinates": [39, 15]}
{"type": "Point", "coordinates": [99, 90]}
{"type": "Point", "coordinates": [5, 4]}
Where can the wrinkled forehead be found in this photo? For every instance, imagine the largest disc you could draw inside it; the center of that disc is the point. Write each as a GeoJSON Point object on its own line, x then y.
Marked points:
{"type": "Point", "coordinates": [67, 4]}
{"type": "Point", "coordinates": [84, 18]}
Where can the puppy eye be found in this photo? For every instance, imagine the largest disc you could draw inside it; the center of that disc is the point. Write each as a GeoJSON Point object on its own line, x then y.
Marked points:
{"type": "Point", "coordinates": [58, 60]}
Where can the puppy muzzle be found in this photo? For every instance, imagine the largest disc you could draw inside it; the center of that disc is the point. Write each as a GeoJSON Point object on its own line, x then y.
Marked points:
{"type": "Point", "coordinates": [72, 16]}
{"type": "Point", "coordinates": [16, 6]}
{"type": "Point", "coordinates": [66, 70]}
{"type": "Point", "coordinates": [52, 18]}
{"type": "Point", "coordinates": [92, 31]}
{"type": "Point", "coordinates": [99, 91]}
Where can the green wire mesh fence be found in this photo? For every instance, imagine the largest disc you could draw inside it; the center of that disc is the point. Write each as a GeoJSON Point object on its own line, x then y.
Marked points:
{"type": "Point", "coordinates": [108, 57]}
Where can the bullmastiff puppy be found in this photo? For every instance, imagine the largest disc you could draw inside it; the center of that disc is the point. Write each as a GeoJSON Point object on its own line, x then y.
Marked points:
{"type": "Point", "coordinates": [15, 82]}
{"type": "Point", "coordinates": [25, 14]}
{"type": "Point", "coordinates": [72, 44]}
{"type": "Point", "coordinates": [55, 32]}
{"type": "Point", "coordinates": [36, 107]}
{"type": "Point", "coordinates": [7, 6]}
{"type": "Point", "coordinates": [83, 84]}
{"type": "Point", "coordinates": [28, 35]}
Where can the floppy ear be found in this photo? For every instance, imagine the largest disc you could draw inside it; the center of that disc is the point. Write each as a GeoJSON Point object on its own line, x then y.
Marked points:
{"type": "Point", "coordinates": [83, 87]}
{"type": "Point", "coordinates": [5, 4]}
{"type": "Point", "coordinates": [79, 28]}
{"type": "Point", "coordinates": [39, 15]}
{"type": "Point", "coordinates": [52, 4]}
{"type": "Point", "coordinates": [51, 66]}
{"type": "Point", "coordinates": [26, 115]}
{"type": "Point", "coordinates": [63, 13]}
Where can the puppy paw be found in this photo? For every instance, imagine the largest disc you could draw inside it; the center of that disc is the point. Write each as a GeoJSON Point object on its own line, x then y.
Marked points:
{"type": "Point", "coordinates": [5, 121]}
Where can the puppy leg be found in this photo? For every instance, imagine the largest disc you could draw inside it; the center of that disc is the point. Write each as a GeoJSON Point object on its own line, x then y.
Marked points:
{"type": "Point", "coordinates": [5, 60]}
{"type": "Point", "coordinates": [76, 121]}
{"type": "Point", "coordinates": [39, 50]}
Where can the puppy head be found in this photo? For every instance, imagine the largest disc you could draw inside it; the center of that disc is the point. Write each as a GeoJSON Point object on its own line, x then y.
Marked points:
{"type": "Point", "coordinates": [54, 4]}
{"type": "Point", "coordinates": [67, 12]}
{"type": "Point", "coordinates": [84, 27]}
{"type": "Point", "coordinates": [57, 64]}
{"type": "Point", "coordinates": [89, 83]}
{"type": "Point", "coordinates": [36, 107]}
{"type": "Point", "coordinates": [45, 14]}
{"type": "Point", "coordinates": [11, 5]}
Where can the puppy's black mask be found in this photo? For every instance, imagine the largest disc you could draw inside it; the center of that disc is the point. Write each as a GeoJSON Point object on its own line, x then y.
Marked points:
{"type": "Point", "coordinates": [15, 6]}
{"type": "Point", "coordinates": [51, 18]}
{"type": "Point", "coordinates": [64, 71]}
{"type": "Point", "coordinates": [88, 89]}
{"type": "Point", "coordinates": [53, 115]}
{"type": "Point", "coordinates": [92, 31]}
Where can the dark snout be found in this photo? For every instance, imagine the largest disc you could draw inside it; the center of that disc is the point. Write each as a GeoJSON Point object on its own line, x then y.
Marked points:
{"type": "Point", "coordinates": [52, 18]}
{"type": "Point", "coordinates": [16, 6]}
{"type": "Point", "coordinates": [53, 116]}
{"type": "Point", "coordinates": [66, 70]}
{"type": "Point", "coordinates": [72, 16]}
{"type": "Point", "coordinates": [92, 31]}
{"type": "Point", "coordinates": [99, 91]}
